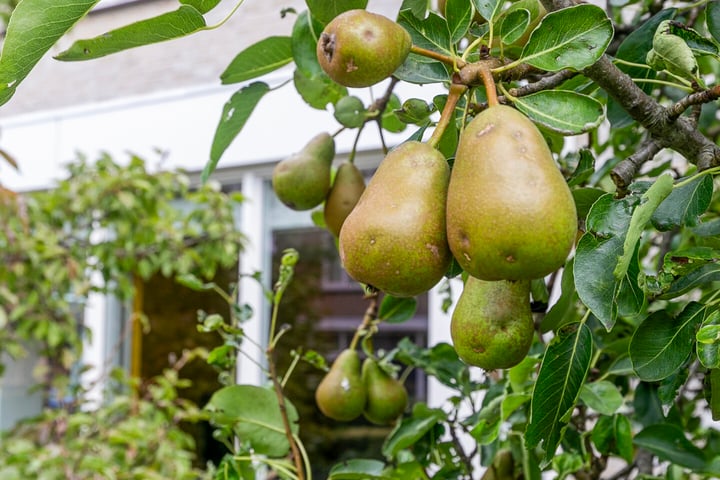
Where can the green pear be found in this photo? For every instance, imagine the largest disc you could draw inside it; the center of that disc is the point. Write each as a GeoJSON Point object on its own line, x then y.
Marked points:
{"type": "Point", "coordinates": [394, 239]}
{"type": "Point", "coordinates": [492, 325]}
{"type": "Point", "coordinates": [302, 181]}
{"type": "Point", "coordinates": [386, 396]}
{"type": "Point", "coordinates": [346, 190]}
{"type": "Point", "coordinates": [359, 48]}
{"type": "Point", "coordinates": [341, 393]}
{"type": "Point", "coordinates": [510, 213]}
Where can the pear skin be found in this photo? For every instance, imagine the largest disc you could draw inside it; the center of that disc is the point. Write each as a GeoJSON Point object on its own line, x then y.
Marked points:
{"type": "Point", "coordinates": [344, 194]}
{"type": "Point", "coordinates": [360, 48]}
{"type": "Point", "coordinates": [341, 393]}
{"type": "Point", "coordinates": [386, 396]}
{"type": "Point", "coordinates": [492, 325]}
{"type": "Point", "coordinates": [302, 181]}
{"type": "Point", "coordinates": [510, 213]}
{"type": "Point", "coordinates": [395, 238]}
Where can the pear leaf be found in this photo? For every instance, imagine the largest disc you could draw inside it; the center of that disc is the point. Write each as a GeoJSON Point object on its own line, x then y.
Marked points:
{"type": "Point", "coordinates": [563, 111]}
{"type": "Point", "coordinates": [167, 26]}
{"type": "Point", "coordinates": [258, 59]}
{"type": "Point", "coordinates": [573, 37]}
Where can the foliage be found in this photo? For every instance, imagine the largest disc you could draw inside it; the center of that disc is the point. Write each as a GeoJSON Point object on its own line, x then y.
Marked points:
{"type": "Point", "coordinates": [625, 357]}
{"type": "Point", "coordinates": [135, 434]}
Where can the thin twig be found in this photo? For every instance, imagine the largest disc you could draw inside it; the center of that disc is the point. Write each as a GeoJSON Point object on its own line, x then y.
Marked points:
{"type": "Point", "coordinates": [623, 173]}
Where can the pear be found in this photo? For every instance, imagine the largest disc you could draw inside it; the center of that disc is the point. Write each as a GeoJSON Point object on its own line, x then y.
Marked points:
{"type": "Point", "coordinates": [395, 239]}
{"type": "Point", "coordinates": [346, 190]}
{"type": "Point", "coordinates": [341, 393]}
{"type": "Point", "coordinates": [386, 396]}
{"type": "Point", "coordinates": [302, 181]}
{"type": "Point", "coordinates": [360, 48]}
{"type": "Point", "coordinates": [510, 213]}
{"type": "Point", "coordinates": [492, 325]}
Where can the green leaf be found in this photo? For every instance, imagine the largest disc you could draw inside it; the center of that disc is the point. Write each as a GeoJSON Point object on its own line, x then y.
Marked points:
{"type": "Point", "coordinates": [412, 428]}
{"type": "Point", "coordinates": [584, 169]}
{"type": "Point", "coordinates": [34, 27]}
{"type": "Point", "coordinates": [696, 278]}
{"type": "Point", "coordinates": [514, 24]}
{"type": "Point", "coordinates": [649, 202]}
{"type": "Point", "coordinates": [573, 37]}
{"type": "Point", "coordinates": [602, 396]}
{"type": "Point", "coordinates": [585, 198]}
{"type": "Point", "coordinates": [562, 374]}
{"type": "Point", "coordinates": [613, 434]}
{"type": "Point", "coordinates": [684, 205]}
{"type": "Point", "coordinates": [459, 14]}
{"type": "Point", "coordinates": [661, 344]}
{"type": "Point", "coordinates": [561, 311]}
{"type": "Point", "coordinates": [326, 10]}
{"type": "Point", "coordinates": [358, 469]}
{"type": "Point", "coordinates": [712, 19]}
{"type": "Point", "coordinates": [489, 9]}
{"type": "Point", "coordinates": [258, 59]}
{"type": "Point", "coordinates": [697, 43]}
{"type": "Point", "coordinates": [350, 112]}
{"type": "Point", "coordinates": [318, 90]}
{"type": "Point", "coordinates": [254, 414]}
{"type": "Point", "coordinates": [396, 310]}
{"type": "Point", "coordinates": [234, 116]}
{"type": "Point", "coordinates": [421, 70]}
{"type": "Point", "coordinates": [431, 33]}
{"type": "Point", "coordinates": [669, 443]}
{"type": "Point", "coordinates": [305, 35]}
{"type": "Point", "coordinates": [708, 341]}
{"type": "Point", "coordinates": [670, 52]}
{"type": "Point", "coordinates": [179, 23]}
{"type": "Point", "coordinates": [202, 6]}
{"type": "Point", "coordinates": [563, 111]}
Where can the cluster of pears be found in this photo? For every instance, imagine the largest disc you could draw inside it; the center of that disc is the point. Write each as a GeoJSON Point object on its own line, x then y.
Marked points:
{"type": "Point", "coordinates": [349, 390]}
{"type": "Point", "coordinates": [304, 181]}
{"type": "Point", "coordinates": [504, 212]}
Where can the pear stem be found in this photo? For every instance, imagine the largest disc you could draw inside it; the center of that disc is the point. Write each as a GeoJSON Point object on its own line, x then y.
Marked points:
{"type": "Point", "coordinates": [368, 318]}
{"type": "Point", "coordinates": [490, 88]}
{"type": "Point", "coordinates": [446, 59]}
{"type": "Point", "coordinates": [456, 91]}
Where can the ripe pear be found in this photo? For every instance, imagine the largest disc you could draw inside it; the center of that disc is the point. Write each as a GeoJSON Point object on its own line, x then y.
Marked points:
{"type": "Point", "coordinates": [360, 48]}
{"type": "Point", "coordinates": [302, 181]}
{"type": "Point", "coordinates": [510, 213]}
{"type": "Point", "coordinates": [386, 396]}
{"type": "Point", "coordinates": [344, 194]}
{"type": "Point", "coordinates": [341, 393]}
{"type": "Point", "coordinates": [395, 239]}
{"type": "Point", "coordinates": [492, 325]}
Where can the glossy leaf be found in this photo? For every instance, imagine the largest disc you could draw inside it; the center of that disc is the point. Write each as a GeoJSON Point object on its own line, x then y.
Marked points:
{"type": "Point", "coordinates": [584, 169]}
{"type": "Point", "coordinates": [708, 341]}
{"type": "Point", "coordinates": [167, 26]}
{"type": "Point", "coordinates": [34, 27]}
{"type": "Point", "coordinates": [262, 57]}
{"type": "Point", "coordinates": [602, 396]}
{"type": "Point", "coordinates": [489, 9]}
{"type": "Point", "coordinates": [697, 43]}
{"type": "Point", "coordinates": [712, 19]}
{"type": "Point", "coordinates": [396, 310]}
{"type": "Point", "coordinates": [305, 35]}
{"type": "Point", "coordinates": [317, 90]}
{"type": "Point", "coordinates": [202, 6]}
{"type": "Point", "coordinates": [684, 205]}
{"type": "Point", "coordinates": [669, 443]}
{"type": "Point", "coordinates": [234, 116]}
{"type": "Point", "coordinates": [563, 111]}
{"type": "Point", "coordinates": [561, 311]}
{"type": "Point", "coordinates": [514, 24]}
{"type": "Point", "coordinates": [493, 414]}
{"type": "Point", "coordinates": [662, 344]}
{"type": "Point", "coordinates": [412, 428]}
{"type": "Point", "coordinates": [326, 10]}
{"type": "Point", "coordinates": [613, 435]}
{"type": "Point", "coordinates": [573, 37]}
{"type": "Point", "coordinates": [358, 469]}
{"type": "Point", "coordinates": [562, 374]}
{"type": "Point", "coordinates": [694, 279]}
{"type": "Point", "coordinates": [671, 53]}
{"type": "Point", "coordinates": [459, 15]}
{"type": "Point", "coordinates": [254, 415]}
{"type": "Point", "coordinates": [421, 70]}
{"type": "Point", "coordinates": [431, 33]}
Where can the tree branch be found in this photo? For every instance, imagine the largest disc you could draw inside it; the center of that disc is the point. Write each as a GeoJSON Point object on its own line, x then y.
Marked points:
{"type": "Point", "coordinates": [623, 173]}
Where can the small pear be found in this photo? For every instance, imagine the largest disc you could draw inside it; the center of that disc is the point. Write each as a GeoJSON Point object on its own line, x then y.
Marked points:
{"type": "Point", "coordinates": [341, 393]}
{"type": "Point", "coordinates": [510, 213]}
{"type": "Point", "coordinates": [492, 325]}
{"type": "Point", "coordinates": [395, 239]}
{"type": "Point", "coordinates": [360, 48]}
{"type": "Point", "coordinates": [346, 190]}
{"type": "Point", "coordinates": [386, 396]}
{"type": "Point", "coordinates": [302, 181]}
